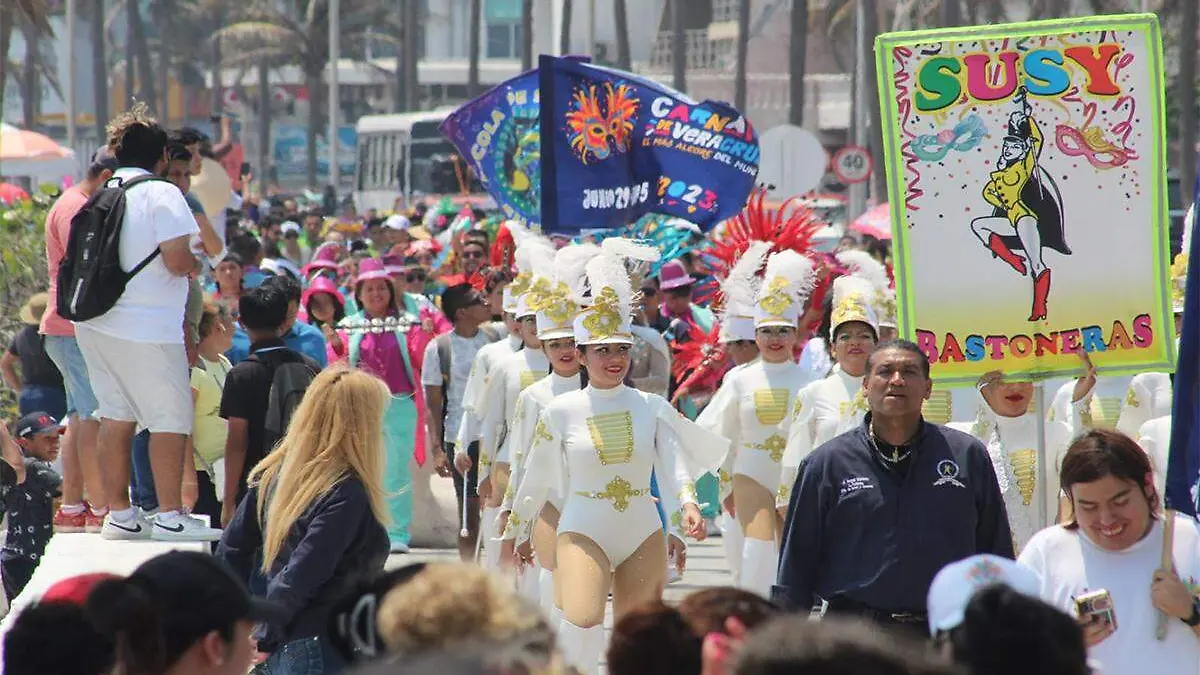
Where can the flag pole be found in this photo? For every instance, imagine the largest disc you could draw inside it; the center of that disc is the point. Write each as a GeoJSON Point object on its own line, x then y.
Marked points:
{"type": "Point", "coordinates": [1039, 403]}
{"type": "Point", "coordinates": [1167, 564]}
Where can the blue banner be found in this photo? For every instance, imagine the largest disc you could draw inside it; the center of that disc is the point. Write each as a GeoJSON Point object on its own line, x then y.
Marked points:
{"type": "Point", "coordinates": [1183, 465]}
{"type": "Point", "coordinates": [498, 134]}
{"type": "Point", "coordinates": [618, 146]}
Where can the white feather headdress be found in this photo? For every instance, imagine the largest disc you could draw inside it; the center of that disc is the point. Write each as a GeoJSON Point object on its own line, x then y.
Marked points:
{"type": "Point", "coordinates": [786, 285]}
{"type": "Point", "coordinates": [608, 319]}
{"type": "Point", "coordinates": [740, 290]}
{"type": "Point", "coordinates": [863, 265]}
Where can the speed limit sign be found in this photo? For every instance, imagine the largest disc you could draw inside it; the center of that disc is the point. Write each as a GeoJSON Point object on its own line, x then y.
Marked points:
{"type": "Point", "coordinates": [852, 164]}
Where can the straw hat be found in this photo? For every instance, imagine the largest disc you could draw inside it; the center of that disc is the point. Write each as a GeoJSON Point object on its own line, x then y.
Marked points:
{"type": "Point", "coordinates": [32, 311]}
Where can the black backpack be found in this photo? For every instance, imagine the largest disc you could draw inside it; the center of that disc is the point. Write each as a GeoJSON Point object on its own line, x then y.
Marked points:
{"type": "Point", "coordinates": [90, 278]}
{"type": "Point", "coordinates": [289, 381]}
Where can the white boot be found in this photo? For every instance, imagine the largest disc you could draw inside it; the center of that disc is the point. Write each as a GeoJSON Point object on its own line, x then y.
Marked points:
{"type": "Point", "coordinates": [760, 563]}
{"type": "Point", "coordinates": [581, 647]}
{"type": "Point", "coordinates": [546, 592]}
{"type": "Point", "coordinates": [731, 540]}
{"type": "Point", "coordinates": [491, 546]}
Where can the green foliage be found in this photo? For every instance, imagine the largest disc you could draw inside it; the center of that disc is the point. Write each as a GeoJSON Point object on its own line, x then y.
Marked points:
{"type": "Point", "coordinates": [22, 268]}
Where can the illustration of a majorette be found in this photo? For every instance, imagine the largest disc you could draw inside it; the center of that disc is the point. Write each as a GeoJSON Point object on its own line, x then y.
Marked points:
{"type": "Point", "coordinates": [1028, 213]}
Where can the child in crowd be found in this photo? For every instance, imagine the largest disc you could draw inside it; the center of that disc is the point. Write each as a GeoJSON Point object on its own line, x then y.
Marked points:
{"type": "Point", "coordinates": [29, 487]}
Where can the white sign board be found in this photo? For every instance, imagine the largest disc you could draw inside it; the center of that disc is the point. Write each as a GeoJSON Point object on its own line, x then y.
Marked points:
{"type": "Point", "coordinates": [792, 161]}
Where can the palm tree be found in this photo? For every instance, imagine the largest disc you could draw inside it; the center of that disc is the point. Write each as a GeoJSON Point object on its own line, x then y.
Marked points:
{"type": "Point", "coordinates": [141, 51]}
{"type": "Point", "coordinates": [99, 67]}
{"type": "Point", "coordinates": [1189, 25]}
{"type": "Point", "coordinates": [476, 28]}
{"type": "Point", "coordinates": [526, 35]}
{"type": "Point", "coordinates": [797, 50]}
{"type": "Point", "coordinates": [33, 18]}
{"type": "Point", "coordinates": [264, 30]}
{"type": "Point", "coordinates": [564, 33]}
{"type": "Point", "coordinates": [621, 19]}
{"type": "Point", "coordinates": [743, 48]}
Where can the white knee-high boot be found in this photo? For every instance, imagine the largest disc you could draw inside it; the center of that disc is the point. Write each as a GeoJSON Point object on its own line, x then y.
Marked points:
{"type": "Point", "coordinates": [546, 592]}
{"type": "Point", "coordinates": [731, 540]}
{"type": "Point", "coordinates": [581, 647]}
{"type": "Point", "coordinates": [491, 544]}
{"type": "Point", "coordinates": [760, 561]}
{"type": "Point", "coordinates": [529, 583]}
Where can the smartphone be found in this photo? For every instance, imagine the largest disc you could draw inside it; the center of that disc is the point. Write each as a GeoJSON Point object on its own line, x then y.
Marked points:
{"type": "Point", "coordinates": [1097, 604]}
{"type": "Point", "coordinates": [215, 119]}
{"type": "Point", "coordinates": [245, 169]}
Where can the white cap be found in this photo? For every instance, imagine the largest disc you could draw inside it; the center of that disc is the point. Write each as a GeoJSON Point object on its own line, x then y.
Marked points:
{"type": "Point", "coordinates": [737, 323]}
{"type": "Point", "coordinates": [786, 284]}
{"type": "Point", "coordinates": [290, 226]}
{"type": "Point", "coordinates": [396, 222]}
{"type": "Point", "coordinates": [956, 583]}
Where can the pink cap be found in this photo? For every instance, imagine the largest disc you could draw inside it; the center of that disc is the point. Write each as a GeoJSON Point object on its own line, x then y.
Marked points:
{"type": "Point", "coordinates": [371, 268]}
{"type": "Point", "coordinates": [673, 275]}
{"type": "Point", "coordinates": [322, 285]}
{"type": "Point", "coordinates": [326, 252]}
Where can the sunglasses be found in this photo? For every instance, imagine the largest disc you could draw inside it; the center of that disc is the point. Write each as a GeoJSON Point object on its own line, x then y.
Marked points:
{"type": "Point", "coordinates": [414, 277]}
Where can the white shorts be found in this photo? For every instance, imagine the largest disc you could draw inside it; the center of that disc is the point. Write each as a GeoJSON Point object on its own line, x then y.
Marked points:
{"type": "Point", "coordinates": [139, 382]}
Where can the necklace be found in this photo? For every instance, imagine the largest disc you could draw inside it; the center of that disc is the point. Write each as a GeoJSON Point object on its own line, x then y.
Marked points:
{"type": "Point", "coordinates": [898, 453]}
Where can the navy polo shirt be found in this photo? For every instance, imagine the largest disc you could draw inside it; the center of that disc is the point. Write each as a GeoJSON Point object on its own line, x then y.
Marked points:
{"type": "Point", "coordinates": [862, 532]}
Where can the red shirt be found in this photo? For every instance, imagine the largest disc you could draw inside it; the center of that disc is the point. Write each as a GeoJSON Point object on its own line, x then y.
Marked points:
{"type": "Point", "coordinates": [58, 231]}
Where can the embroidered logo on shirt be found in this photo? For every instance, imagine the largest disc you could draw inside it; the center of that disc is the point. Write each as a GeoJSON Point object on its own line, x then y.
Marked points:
{"type": "Point", "coordinates": [947, 470]}
{"type": "Point", "coordinates": [855, 483]}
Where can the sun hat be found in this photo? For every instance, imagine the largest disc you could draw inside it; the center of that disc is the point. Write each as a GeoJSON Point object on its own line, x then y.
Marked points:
{"type": "Point", "coordinates": [956, 583]}
{"type": "Point", "coordinates": [33, 309]}
{"type": "Point", "coordinates": [371, 268]}
{"type": "Point", "coordinates": [322, 285]}
{"type": "Point", "coordinates": [674, 275]}
{"type": "Point", "coordinates": [290, 227]}
{"type": "Point", "coordinates": [396, 222]}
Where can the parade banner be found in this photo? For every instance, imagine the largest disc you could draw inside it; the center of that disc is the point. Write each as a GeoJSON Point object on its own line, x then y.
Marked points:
{"type": "Point", "coordinates": [1026, 174]}
{"type": "Point", "coordinates": [617, 146]}
{"type": "Point", "coordinates": [498, 134]}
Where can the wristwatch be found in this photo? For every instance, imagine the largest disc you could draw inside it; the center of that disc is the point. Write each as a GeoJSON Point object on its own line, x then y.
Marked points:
{"type": "Point", "coordinates": [1194, 619]}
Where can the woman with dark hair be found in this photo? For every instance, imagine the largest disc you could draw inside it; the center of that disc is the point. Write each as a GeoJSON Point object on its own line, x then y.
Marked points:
{"type": "Point", "coordinates": [229, 279]}
{"type": "Point", "coordinates": [599, 446]}
{"type": "Point", "coordinates": [180, 613]}
{"type": "Point", "coordinates": [1104, 563]}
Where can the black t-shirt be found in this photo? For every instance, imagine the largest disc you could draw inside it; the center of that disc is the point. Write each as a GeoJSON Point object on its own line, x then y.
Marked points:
{"type": "Point", "coordinates": [30, 508]}
{"type": "Point", "coordinates": [247, 395]}
{"type": "Point", "coordinates": [36, 366]}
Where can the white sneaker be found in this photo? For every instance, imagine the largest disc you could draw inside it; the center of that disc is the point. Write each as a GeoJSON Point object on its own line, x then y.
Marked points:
{"type": "Point", "coordinates": [183, 528]}
{"type": "Point", "coordinates": [136, 529]}
{"type": "Point", "coordinates": [398, 547]}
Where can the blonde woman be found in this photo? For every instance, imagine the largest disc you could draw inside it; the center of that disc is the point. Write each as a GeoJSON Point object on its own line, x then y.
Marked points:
{"type": "Point", "coordinates": [315, 516]}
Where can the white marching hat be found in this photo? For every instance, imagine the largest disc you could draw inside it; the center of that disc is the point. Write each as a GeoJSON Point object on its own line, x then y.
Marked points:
{"type": "Point", "coordinates": [608, 320]}
{"type": "Point", "coordinates": [784, 290]}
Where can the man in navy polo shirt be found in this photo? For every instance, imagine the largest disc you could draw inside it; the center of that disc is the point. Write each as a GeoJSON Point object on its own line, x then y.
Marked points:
{"type": "Point", "coordinates": [877, 511]}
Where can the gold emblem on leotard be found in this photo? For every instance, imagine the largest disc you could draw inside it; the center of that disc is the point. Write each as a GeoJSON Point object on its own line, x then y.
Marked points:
{"type": "Point", "coordinates": [797, 407]}
{"type": "Point", "coordinates": [484, 460]}
{"type": "Point", "coordinates": [770, 406]}
{"type": "Point", "coordinates": [783, 494]}
{"type": "Point", "coordinates": [541, 433]}
{"type": "Point", "coordinates": [618, 491]}
{"type": "Point", "coordinates": [724, 477]}
{"type": "Point", "coordinates": [773, 446]}
{"type": "Point", "coordinates": [854, 405]}
{"type": "Point", "coordinates": [1131, 398]}
{"type": "Point", "coordinates": [612, 434]}
{"type": "Point", "coordinates": [938, 408]}
{"type": "Point", "coordinates": [1024, 468]}
{"type": "Point", "coordinates": [1101, 413]}
{"type": "Point", "coordinates": [528, 377]}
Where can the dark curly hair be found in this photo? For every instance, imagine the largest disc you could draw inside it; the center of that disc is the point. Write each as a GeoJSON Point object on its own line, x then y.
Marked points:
{"type": "Point", "coordinates": [653, 640]}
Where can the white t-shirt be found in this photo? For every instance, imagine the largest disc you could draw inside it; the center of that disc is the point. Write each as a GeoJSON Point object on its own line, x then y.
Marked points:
{"type": "Point", "coordinates": [462, 355]}
{"type": "Point", "coordinates": [151, 308]}
{"type": "Point", "coordinates": [1070, 564]}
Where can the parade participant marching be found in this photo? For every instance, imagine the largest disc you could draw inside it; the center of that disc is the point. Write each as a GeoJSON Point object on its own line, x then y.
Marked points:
{"type": "Point", "coordinates": [754, 414]}
{"type": "Point", "coordinates": [1008, 427]}
{"type": "Point", "coordinates": [598, 446]}
{"type": "Point", "coordinates": [391, 356]}
{"type": "Point", "coordinates": [737, 336]}
{"type": "Point", "coordinates": [556, 311]}
{"type": "Point", "coordinates": [836, 404]}
{"type": "Point", "coordinates": [875, 513]}
{"type": "Point", "coordinates": [497, 408]}
{"type": "Point", "coordinates": [1120, 402]}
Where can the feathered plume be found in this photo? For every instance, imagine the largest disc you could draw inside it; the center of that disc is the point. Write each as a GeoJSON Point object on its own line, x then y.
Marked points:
{"type": "Point", "coordinates": [608, 270]}
{"type": "Point", "coordinates": [742, 285]}
{"type": "Point", "coordinates": [791, 225]}
{"type": "Point", "coordinates": [570, 267]}
{"type": "Point", "coordinates": [531, 255]}
{"type": "Point", "coordinates": [798, 270]}
{"type": "Point", "coordinates": [861, 264]}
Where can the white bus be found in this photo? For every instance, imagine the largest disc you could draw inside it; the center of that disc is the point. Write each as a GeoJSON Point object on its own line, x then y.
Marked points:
{"type": "Point", "coordinates": [395, 154]}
